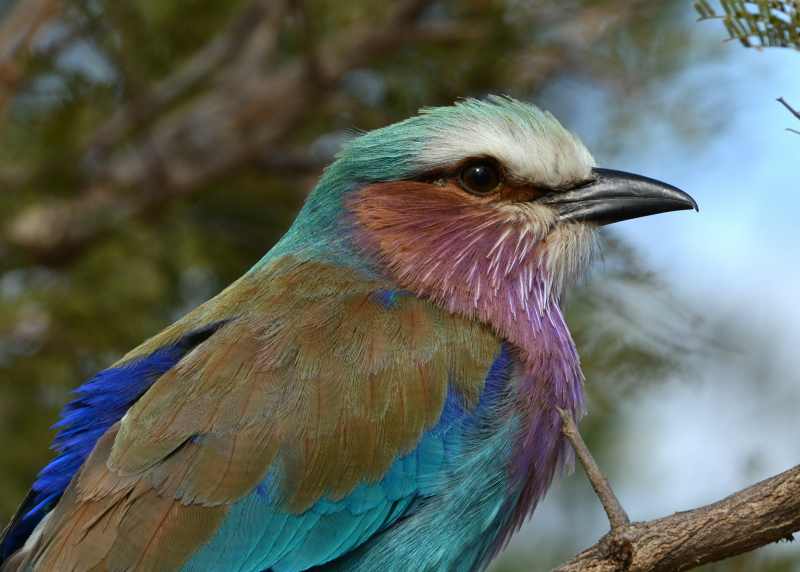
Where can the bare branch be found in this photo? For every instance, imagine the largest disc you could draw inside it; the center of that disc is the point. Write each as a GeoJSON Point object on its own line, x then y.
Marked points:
{"type": "Point", "coordinates": [756, 516]}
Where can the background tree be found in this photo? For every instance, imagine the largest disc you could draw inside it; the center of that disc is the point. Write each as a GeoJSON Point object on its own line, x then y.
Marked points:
{"type": "Point", "coordinates": [757, 23]}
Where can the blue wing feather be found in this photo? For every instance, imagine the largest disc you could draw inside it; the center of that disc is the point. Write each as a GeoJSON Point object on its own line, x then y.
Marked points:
{"type": "Point", "coordinates": [99, 403]}
{"type": "Point", "coordinates": [257, 534]}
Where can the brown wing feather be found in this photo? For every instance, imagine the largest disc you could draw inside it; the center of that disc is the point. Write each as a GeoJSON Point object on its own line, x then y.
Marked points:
{"type": "Point", "coordinates": [313, 378]}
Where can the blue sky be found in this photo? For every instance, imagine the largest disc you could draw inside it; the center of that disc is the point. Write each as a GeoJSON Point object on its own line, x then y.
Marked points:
{"type": "Point", "coordinates": [736, 260]}
{"type": "Point", "coordinates": [745, 179]}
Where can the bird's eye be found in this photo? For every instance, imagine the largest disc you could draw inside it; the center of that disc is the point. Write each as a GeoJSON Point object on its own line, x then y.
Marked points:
{"type": "Point", "coordinates": [480, 178]}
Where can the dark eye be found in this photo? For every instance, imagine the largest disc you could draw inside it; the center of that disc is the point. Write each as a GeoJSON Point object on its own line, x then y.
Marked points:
{"type": "Point", "coordinates": [480, 178]}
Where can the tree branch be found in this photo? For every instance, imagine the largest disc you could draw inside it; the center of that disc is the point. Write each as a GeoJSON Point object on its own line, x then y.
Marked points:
{"type": "Point", "coordinates": [766, 512]}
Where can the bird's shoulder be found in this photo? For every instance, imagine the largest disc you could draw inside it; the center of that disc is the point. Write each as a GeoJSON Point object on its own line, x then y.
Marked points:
{"type": "Point", "coordinates": [315, 354]}
{"type": "Point", "coordinates": [313, 373]}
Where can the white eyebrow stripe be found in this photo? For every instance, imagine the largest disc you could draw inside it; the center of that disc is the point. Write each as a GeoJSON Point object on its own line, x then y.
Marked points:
{"type": "Point", "coordinates": [531, 144]}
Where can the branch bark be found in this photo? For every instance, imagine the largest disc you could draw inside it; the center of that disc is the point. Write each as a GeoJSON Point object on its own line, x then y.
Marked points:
{"type": "Point", "coordinates": [766, 512]}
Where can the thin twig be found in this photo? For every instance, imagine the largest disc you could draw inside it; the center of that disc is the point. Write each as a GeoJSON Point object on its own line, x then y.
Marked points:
{"type": "Point", "coordinates": [617, 516]}
{"type": "Point", "coordinates": [791, 109]}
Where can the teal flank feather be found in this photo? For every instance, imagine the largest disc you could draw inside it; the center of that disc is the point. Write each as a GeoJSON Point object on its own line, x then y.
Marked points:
{"type": "Point", "coordinates": [427, 485]}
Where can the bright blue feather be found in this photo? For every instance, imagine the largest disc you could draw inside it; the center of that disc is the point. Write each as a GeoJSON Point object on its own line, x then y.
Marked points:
{"type": "Point", "coordinates": [99, 403]}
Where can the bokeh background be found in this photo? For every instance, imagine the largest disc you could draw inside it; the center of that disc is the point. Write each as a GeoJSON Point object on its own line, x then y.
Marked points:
{"type": "Point", "coordinates": [151, 151]}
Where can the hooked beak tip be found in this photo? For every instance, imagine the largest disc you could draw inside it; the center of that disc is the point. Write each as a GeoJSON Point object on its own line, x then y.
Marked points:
{"type": "Point", "coordinates": [614, 196]}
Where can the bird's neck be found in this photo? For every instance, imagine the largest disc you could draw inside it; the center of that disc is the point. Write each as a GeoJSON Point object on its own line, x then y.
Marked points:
{"type": "Point", "coordinates": [525, 311]}
{"type": "Point", "coordinates": [514, 292]}
{"type": "Point", "coordinates": [500, 275]}
{"type": "Point", "coordinates": [504, 266]}
{"type": "Point", "coordinates": [545, 376]}
{"type": "Point", "coordinates": [548, 378]}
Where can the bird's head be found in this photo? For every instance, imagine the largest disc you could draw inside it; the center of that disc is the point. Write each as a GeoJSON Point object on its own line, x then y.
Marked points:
{"type": "Point", "coordinates": [481, 203]}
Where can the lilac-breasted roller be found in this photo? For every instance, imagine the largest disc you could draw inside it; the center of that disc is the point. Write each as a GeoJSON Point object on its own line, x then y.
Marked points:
{"type": "Point", "coordinates": [378, 393]}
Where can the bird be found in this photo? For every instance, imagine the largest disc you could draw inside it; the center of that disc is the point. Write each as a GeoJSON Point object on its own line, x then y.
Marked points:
{"type": "Point", "coordinates": [380, 392]}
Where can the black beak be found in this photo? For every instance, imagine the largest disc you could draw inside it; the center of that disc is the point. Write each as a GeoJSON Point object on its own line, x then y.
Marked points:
{"type": "Point", "coordinates": [614, 196]}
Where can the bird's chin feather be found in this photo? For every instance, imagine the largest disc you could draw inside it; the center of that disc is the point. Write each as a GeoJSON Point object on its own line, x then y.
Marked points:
{"type": "Point", "coordinates": [568, 249]}
{"type": "Point", "coordinates": [571, 248]}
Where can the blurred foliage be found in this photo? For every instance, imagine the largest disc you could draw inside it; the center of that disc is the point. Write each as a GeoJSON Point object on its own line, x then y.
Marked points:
{"type": "Point", "coordinates": [757, 23]}
{"type": "Point", "coordinates": [68, 311]}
